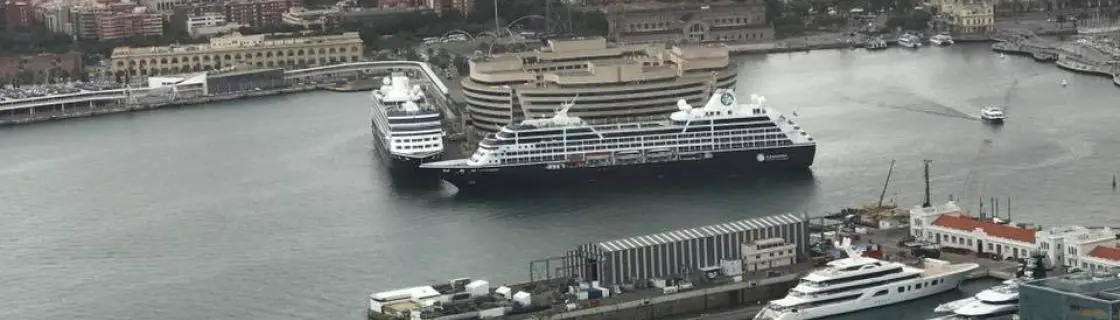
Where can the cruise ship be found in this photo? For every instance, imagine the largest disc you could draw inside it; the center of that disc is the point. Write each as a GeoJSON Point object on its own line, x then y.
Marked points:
{"type": "Point", "coordinates": [406, 127]}
{"type": "Point", "coordinates": [723, 136]}
{"type": "Point", "coordinates": [857, 283]}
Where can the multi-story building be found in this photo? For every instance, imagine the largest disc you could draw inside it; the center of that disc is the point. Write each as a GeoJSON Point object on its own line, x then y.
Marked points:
{"type": "Point", "coordinates": [40, 68]}
{"type": "Point", "coordinates": [253, 13]}
{"type": "Point", "coordinates": [768, 253]}
{"type": "Point", "coordinates": [262, 51]}
{"type": "Point", "coordinates": [17, 14]}
{"type": "Point", "coordinates": [322, 18]}
{"type": "Point", "coordinates": [1067, 245]}
{"type": "Point", "coordinates": [655, 21]}
{"type": "Point", "coordinates": [119, 25]}
{"type": "Point", "coordinates": [610, 81]}
{"type": "Point", "coordinates": [967, 16]}
{"type": "Point", "coordinates": [950, 227]}
{"type": "Point", "coordinates": [440, 6]}
{"type": "Point", "coordinates": [1085, 295]}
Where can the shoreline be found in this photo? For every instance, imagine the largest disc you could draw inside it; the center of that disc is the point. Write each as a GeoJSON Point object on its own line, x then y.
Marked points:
{"type": "Point", "coordinates": [1063, 59]}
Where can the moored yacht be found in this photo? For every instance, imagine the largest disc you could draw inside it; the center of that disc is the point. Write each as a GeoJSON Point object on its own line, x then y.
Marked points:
{"type": "Point", "coordinates": [941, 40]}
{"type": "Point", "coordinates": [999, 302]}
{"type": "Point", "coordinates": [857, 283]}
{"type": "Point", "coordinates": [992, 115]}
{"type": "Point", "coordinates": [907, 40]}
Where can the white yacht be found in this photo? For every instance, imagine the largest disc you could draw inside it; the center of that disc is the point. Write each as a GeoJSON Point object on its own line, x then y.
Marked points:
{"type": "Point", "coordinates": [941, 40]}
{"type": "Point", "coordinates": [857, 283]}
{"type": "Point", "coordinates": [907, 40]}
{"type": "Point", "coordinates": [999, 302]}
{"type": "Point", "coordinates": [992, 115]}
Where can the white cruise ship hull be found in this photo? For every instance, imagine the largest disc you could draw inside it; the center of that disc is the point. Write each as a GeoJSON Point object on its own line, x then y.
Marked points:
{"type": "Point", "coordinates": [867, 300]}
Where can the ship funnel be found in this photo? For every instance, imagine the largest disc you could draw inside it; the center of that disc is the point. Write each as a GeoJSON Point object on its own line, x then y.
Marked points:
{"type": "Point", "coordinates": [683, 105]}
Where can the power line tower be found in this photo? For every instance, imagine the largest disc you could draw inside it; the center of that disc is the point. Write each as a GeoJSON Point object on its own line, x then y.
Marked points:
{"type": "Point", "coordinates": [558, 18]}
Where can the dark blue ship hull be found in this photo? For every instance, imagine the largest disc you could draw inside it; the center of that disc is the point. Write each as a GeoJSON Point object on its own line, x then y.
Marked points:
{"type": "Point", "coordinates": [719, 163]}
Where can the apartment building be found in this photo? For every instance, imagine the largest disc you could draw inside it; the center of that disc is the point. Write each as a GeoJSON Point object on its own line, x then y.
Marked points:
{"type": "Point", "coordinates": [656, 21]}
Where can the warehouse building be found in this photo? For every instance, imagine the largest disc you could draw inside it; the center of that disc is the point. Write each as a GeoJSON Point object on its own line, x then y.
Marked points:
{"type": "Point", "coordinates": [679, 252]}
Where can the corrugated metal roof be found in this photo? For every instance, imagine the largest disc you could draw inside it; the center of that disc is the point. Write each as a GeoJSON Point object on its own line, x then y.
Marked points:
{"type": "Point", "coordinates": [699, 232]}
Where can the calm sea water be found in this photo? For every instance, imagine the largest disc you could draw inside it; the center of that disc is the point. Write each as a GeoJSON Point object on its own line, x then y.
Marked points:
{"type": "Point", "coordinates": [277, 208]}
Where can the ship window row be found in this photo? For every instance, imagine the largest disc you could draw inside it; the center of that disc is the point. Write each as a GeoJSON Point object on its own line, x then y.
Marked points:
{"type": "Point", "coordinates": [661, 139]}
{"type": "Point", "coordinates": [433, 118]}
{"type": "Point", "coordinates": [723, 146]}
{"type": "Point", "coordinates": [917, 286]}
{"type": "Point", "coordinates": [694, 144]}
{"type": "Point", "coordinates": [860, 287]}
{"type": "Point", "coordinates": [705, 130]}
{"type": "Point", "coordinates": [671, 135]}
{"type": "Point", "coordinates": [656, 140]}
{"type": "Point", "coordinates": [422, 128]}
{"type": "Point", "coordinates": [816, 303]}
{"type": "Point", "coordinates": [865, 276]}
{"type": "Point", "coordinates": [410, 147]}
{"type": "Point", "coordinates": [416, 139]}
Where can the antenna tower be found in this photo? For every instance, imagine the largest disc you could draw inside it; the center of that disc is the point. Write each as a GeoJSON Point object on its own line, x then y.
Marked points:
{"type": "Point", "coordinates": [558, 18]}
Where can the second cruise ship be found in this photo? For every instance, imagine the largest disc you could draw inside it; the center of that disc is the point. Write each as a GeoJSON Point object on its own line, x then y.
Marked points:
{"type": "Point", "coordinates": [723, 136]}
{"type": "Point", "coordinates": [407, 128]}
{"type": "Point", "coordinates": [857, 283]}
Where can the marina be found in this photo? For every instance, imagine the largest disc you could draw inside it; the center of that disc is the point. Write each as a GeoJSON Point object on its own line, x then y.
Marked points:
{"type": "Point", "coordinates": [299, 151]}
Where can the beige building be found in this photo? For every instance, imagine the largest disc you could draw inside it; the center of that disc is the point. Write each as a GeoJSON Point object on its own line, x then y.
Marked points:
{"type": "Point", "coordinates": [656, 21]}
{"type": "Point", "coordinates": [768, 253]}
{"type": "Point", "coordinates": [611, 81]}
{"type": "Point", "coordinates": [267, 51]}
{"type": "Point", "coordinates": [967, 17]}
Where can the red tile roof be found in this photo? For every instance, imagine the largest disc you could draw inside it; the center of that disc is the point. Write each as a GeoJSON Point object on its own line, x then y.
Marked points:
{"type": "Point", "coordinates": [1106, 252]}
{"type": "Point", "coordinates": [992, 229]}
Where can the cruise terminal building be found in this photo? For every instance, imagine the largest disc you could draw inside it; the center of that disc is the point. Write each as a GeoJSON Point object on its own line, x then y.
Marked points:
{"type": "Point", "coordinates": [613, 82]}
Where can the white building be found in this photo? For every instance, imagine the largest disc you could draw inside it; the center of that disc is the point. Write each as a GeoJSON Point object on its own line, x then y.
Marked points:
{"type": "Point", "coordinates": [949, 226]}
{"type": "Point", "coordinates": [768, 253]}
{"type": "Point", "coordinates": [1065, 245]}
{"type": "Point", "coordinates": [299, 16]}
{"type": "Point", "coordinates": [197, 22]}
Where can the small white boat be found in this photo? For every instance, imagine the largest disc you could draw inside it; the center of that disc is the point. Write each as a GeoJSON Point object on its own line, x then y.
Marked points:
{"type": "Point", "coordinates": [1000, 302]}
{"type": "Point", "coordinates": [954, 305]}
{"type": "Point", "coordinates": [941, 40]}
{"type": "Point", "coordinates": [1001, 55]}
{"type": "Point", "coordinates": [992, 115]}
{"type": "Point", "coordinates": [1064, 83]}
{"type": "Point", "coordinates": [907, 40]}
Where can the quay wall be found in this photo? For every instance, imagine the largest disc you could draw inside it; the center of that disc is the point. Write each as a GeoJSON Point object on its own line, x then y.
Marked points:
{"type": "Point", "coordinates": [689, 302]}
{"type": "Point", "coordinates": [130, 107]}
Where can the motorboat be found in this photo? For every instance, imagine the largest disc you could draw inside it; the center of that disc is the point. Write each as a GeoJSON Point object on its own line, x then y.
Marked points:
{"type": "Point", "coordinates": [1000, 302]}
{"type": "Point", "coordinates": [992, 115]}
{"type": "Point", "coordinates": [941, 40]}
{"type": "Point", "coordinates": [907, 40]}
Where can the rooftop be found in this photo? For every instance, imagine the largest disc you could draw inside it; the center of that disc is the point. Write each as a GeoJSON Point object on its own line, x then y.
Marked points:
{"type": "Point", "coordinates": [1094, 285]}
{"type": "Point", "coordinates": [238, 41]}
{"type": "Point", "coordinates": [700, 232]}
{"type": "Point", "coordinates": [55, 89]}
{"type": "Point", "coordinates": [1107, 252]}
{"type": "Point", "coordinates": [959, 221]}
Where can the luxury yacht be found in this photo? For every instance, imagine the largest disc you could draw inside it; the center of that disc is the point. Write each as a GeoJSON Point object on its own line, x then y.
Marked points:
{"type": "Point", "coordinates": [857, 283]}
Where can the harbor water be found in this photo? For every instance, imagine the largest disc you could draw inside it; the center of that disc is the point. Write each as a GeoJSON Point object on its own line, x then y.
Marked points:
{"type": "Point", "coordinates": [278, 208]}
